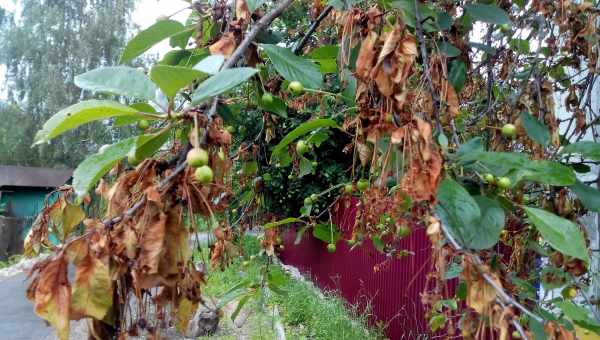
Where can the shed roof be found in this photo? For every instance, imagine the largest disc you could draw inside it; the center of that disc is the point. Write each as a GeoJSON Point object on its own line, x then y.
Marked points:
{"type": "Point", "coordinates": [20, 176]}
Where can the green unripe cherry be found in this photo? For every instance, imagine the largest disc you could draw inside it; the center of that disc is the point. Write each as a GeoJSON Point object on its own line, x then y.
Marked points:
{"type": "Point", "coordinates": [197, 157]}
{"type": "Point", "coordinates": [509, 131]}
{"type": "Point", "coordinates": [314, 197]}
{"type": "Point", "coordinates": [348, 188]}
{"type": "Point", "coordinates": [301, 147]}
{"type": "Point", "coordinates": [362, 184]}
{"type": "Point", "coordinates": [403, 231]}
{"type": "Point", "coordinates": [143, 124]}
{"type": "Point", "coordinates": [307, 201]}
{"type": "Point", "coordinates": [267, 98]}
{"type": "Point", "coordinates": [331, 248]}
{"type": "Point", "coordinates": [296, 87]}
{"type": "Point", "coordinates": [489, 178]}
{"type": "Point", "coordinates": [503, 182]}
{"type": "Point", "coordinates": [204, 174]}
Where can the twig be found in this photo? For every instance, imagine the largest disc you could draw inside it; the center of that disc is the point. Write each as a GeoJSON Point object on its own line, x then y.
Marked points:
{"type": "Point", "coordinates": [505, 297]}
{"type": "Point", "coordinates": [239, 51]}
{"type": "Point", "coordinates": [312, 29]}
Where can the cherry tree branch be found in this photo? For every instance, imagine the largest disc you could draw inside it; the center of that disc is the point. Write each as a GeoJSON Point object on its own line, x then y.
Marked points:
{"type": "Point", "coordinates": [312, 29]}
{"type": "Point", "coordinates": [235, 56]}
{"type": "Point", "coordinates": [503, 297]}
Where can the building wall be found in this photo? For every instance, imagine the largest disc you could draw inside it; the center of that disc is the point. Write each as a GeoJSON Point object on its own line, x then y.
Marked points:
{"type": "Point", "coordinates": [24, 204]}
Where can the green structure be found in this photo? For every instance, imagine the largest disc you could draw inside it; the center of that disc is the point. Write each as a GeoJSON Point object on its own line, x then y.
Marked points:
{"type": "Point", "coordinates": [23, 191]}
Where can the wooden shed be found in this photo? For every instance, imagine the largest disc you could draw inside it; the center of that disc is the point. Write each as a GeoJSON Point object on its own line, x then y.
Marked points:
{"type": "Point", "coordinates": [23, 191]}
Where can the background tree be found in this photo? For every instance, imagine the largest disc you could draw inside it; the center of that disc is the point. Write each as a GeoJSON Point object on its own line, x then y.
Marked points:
{"type": "Point", "coordinates": [44, 46]}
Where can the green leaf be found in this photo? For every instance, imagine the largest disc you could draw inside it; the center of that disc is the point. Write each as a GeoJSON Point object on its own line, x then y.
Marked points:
{"type": "Point", "coordinates": [281, 222]}
{"type": "Point", "coordinates": [436, 322]}
{"type": "Point", "coordinates": [553, 278]}
{"type": "Point", "coordinates": [211, 64]}
{"type": "Point", "coordinates": [590, 197]}
{"type": "Point", "coordinates": [476, 144]}
{"type": "Point", "coordinates": [487, 232]}
{"type": "Point", "coordinates": [587, 149]}
{"type": "Point", "coordinates": [579, 316]}
{"type": "Point", "coordinates": [300, 131]}
{"type": "Point", "coordinates": [254, 4]}
{"type": "Point", "coordinates": [222, 82]}
{"type": "Point", "coordinates": [545, 172]}
{"type": "Point", "coordinates": [171, 79]}
{"type": "Point", "coordinates": [457, 74]}
{"type": "Point", "coordinates": [181, 39]}
{"type": "Point", "coordinates": [305, 167]}
{"type": "Point", "coordinates": [453, 271]}
{"type": "Point", "coordinates": [79, 114]}
{"type": "Point", "coordinates": [89, 172]}
{"type": "Point", "coordinates": [147, 145]}
{"type": "Point", "coordinates": [521, 45]}
{"type": "Point", "coordinates": [562, 234]}
{"type": "Point", "coordinates": [491, 14]}
{"type": "Point", "coordinates": [448, 49]}
{"type": "Point", "coordinates": [458, 210]}
{"type": "Point", "coordinates": [149, 37]}
{"type": "Point", "coordinates": [535, 129]}
{"type": "Point", "coordinates": [278, 106]}
{"type": "Point", "coordinates": [378, 243]}
{"type": "Point", "coordinates": [293, 67]}
{"type": "Point", "coordinates": [326, 57]}
{"type": "Point", "coordinates": [483, 47]}
{"type": "Point", "coordinates": [240, 305]}
{"type": "Point", "coordinates": [119, 80]}
{"type": "Point", "coordinates": [326, 232]}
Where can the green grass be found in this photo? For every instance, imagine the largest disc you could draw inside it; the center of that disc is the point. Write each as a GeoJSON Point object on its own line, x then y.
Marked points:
{"type": "Point", "coordinates": [305, 312]}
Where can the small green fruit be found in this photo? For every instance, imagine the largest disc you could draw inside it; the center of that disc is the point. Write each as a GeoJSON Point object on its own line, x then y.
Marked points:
{"type": "Point", "coordinates": [296, 87]}
{"type": "Point", "coordinates": [509, 131]}
{"type": "Point", "coordinates": [267, 98]}
{"type": "Point", "coordinates": [362, 184]}
{"type": "Point", "coordinates": [197, 157]}
{"type": "Point", "coordinates": [403, 231]}
{"type": "Point", "coordinates": [143, 124]}
{"type": "Point", "coordinates": [516, 335]}
{"type": "Point", "coordinates": [308, 201]}
{"type": "Point", "coordinates": [301, 147]}
{"type": "Point", "coordinates": [331, 248]}
{"type": "Point", "coordinates": [348, 188]}
{"type": "Point", "coordinates": [351, 242]}
{"type": "Point", "coordinates": [569, 293]}
{"type": "Point", "coordinates": [489, 178]}
{"type": "Point", "coordinates": [314, 164]}
{"type": "Point", "coordinates": [314, 197]}
{"type": "Point", "coordinates": [204, 174]}
{"type": "Point", "coordinates": [230, 129]}
{"type": "Point", "coordinates": [503, 182]}
{"type": "Point", "coordinates": [290, 176]}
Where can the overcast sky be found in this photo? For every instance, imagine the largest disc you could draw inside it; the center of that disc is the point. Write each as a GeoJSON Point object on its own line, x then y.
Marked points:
{"type": "Point", "coordinates": [145, 14]}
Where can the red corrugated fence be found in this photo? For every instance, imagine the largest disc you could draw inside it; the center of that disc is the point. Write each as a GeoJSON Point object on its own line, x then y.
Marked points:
{"type": "Point", "coordinates": [393, 292]}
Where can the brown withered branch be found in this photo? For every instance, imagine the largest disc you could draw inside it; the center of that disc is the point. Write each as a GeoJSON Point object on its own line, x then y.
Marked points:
{"type": "Point", "coordinates": [503, 298]}
{"type": "Point", "coordinates": [235, 56]}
